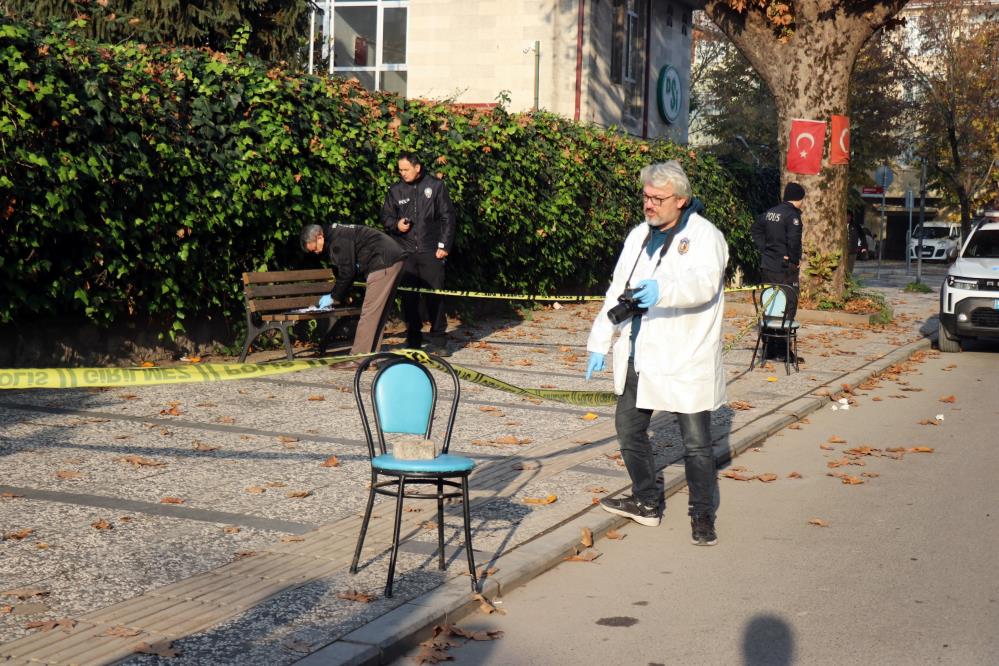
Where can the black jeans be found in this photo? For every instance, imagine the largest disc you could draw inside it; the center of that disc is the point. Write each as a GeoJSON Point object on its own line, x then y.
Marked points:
{"type": "Point", "coordinates": [423, 270]}
{"type": "Point", "coordinates": [636, 451]}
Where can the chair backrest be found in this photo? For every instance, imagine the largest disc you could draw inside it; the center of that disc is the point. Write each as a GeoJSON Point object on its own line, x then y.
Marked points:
{"type": "Point", "coordinates": [773, 301]}
{"type": "Point", "coordinates": [402, 399]}
{"type": "Point", "coordinates": [403, 396]}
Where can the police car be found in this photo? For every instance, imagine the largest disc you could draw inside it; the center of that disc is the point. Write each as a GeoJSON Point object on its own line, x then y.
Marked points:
{"type": "Point", "coordinates": [969, 296]}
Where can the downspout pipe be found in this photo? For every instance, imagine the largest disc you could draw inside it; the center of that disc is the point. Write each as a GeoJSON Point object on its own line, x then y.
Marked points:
{"type": "Point", "coordinates": [580, 29]}
{"type": "Point", "coordinates": [648, 68]}
{"type": "Point", "coordinates": [537, 75]}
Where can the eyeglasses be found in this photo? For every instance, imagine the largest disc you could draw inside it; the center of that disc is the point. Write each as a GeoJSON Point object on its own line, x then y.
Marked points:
{"type": "Point", "coordinates": [658, 201]}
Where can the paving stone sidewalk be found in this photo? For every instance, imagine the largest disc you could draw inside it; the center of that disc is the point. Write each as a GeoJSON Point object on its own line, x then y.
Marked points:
{"type": "Point", "coordinates": [245, 572]}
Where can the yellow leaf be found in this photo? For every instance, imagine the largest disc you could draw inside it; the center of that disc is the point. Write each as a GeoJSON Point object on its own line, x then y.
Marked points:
{"type": "Point", "coordinates": [771, 379]}
{"type": "Point", "coordinates": [589, 416]}
{"type": "Point", "coordinates": [818, 522]}
{"type": "Point", "coordinates": [541, 500]}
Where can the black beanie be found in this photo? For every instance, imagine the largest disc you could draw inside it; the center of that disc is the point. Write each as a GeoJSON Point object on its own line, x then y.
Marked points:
{"type": "Point", "coordinates": [793, 192]}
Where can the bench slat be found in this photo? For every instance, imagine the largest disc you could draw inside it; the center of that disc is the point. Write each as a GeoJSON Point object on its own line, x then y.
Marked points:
{"type": "Point", "coordinates": [278, 304]}
{"type": "Point", "coordinates": [305, 316]}
{"type": "Point", "coordinates": [296, 289]}
{"type": "Point", "coordinates": [258, 277]}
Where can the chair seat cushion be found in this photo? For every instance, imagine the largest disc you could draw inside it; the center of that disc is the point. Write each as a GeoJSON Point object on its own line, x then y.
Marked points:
{"type": "Point", "coordinates": [442, 464]}
{"type": "Point", "coordinates": [776, 323]}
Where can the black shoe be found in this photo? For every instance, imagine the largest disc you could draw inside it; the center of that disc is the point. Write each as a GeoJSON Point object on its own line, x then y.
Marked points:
{"type": "Point", "coordinates": [794, 358]}
{"type": "Point", "coordinates": [439, 350]}
{"type": "Point", "coordinates": [629, 507]}
{"type": "Point", "coordinates": [702, 530]}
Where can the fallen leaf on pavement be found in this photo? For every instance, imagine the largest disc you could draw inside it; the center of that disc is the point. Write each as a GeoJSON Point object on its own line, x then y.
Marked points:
{"type": "Point", "coordinates": [851, 480]}
{"type": "Point", "coordinates": [298, 494]}
{"type": "Point", "coordinates": [20, 534]}
{"type": "Point", "coordinates": [932, 422]}
{"type": "Point", "coordinates": [588, 416]}
{"type": "Point", "coordinates": [231, 530]}
{"type": "Point", "coordinates": [836, 439]}
{"type": "Point", "coordinates": [526, 464]}
{"type": "Point", "coordinates": [285, 439]}
{"type": "Point", "coordinates": [488, 408]}
{"type": "Point", "coordinates": [767, 477]}
{"type": "Point", "coordinates": [921, 449]}
{"type": "Point", "coordinates": [256, 490]}
{"type": "Point", "coordinates": [354, 595]}
{"type": "Point", "coordinates": [102, 525]}
{"type": "Point", "coordinates": [596, 489]}
{"type": "Point", "coordinates": [67, 474]}
{"type": "Point", "coordinates": [731, 474]}
{"type": "Point", "coordinates": [139, 461]}
{"type": "Point", "coordinates": [147, 364]}
{"type": "Point", "coordinates": [23, 593]}
{"type": "Point", "coordinates": [120, 631]}
{"type": "Point", "coordinates": [171, 500]}
{"type": "Point", "coordinates": [332, 461]}
{"type": "Point", "coordinates": [614, 534]}
{"type": "Point", "coordinates": [587, 537]}
{"type": "Point", "coordinates": [6, 495]}
{"type": "Point", "coordinates": [66, 624]}
{"type": "Point", "coordinates": [870, 475]}
{"type": "Point", "coordinates": [162, 648]}
{"type": "Point", "coordinates": [228, 420]}
{"type": "Point", "coordinates": [818, 522]}
{"type": "Point", "coordinates": [201, 446]}
{"type": "Point", "coordinates": [585, 555]}
{"type": "Point", "coordinates": [174, 410]}
{"type": "Point", "coordinates": [949, 399]}
{"type": "Point", "coordinates": [794, 475]}
{"type": "Point", "coordinates": [4, 610]}
{"type": "Point", "coordinates": [245, 553]}
{"type": "Point", "coordinates": [740, 405]}
{"type": "Point", "coordinates": [487, 606]}
{"type": "Point", "coordinates": [541, 500]}
{"type": "Point", "coordinates": [317, 398]}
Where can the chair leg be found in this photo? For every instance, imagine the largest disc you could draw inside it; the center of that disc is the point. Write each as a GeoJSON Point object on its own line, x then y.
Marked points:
{"type": "Point", "coordinates": [794, 348]}
{"type": "Point", "coordinates": [364, 524]}
{"type": "Point", "coordinates": [395, 536]}
{"type": "Point", "coordinates": [468, 534]}
{"type": "Point", "coordinates": [756, 349]}
{"type": "Point", "coordinates": [787, 354]}
{"type": "Point", "coordinates": [440, 524]}
{"type": "Point", "coordinates": [286, 334]}
{"type": "Point", "coordinates": [251, 334]}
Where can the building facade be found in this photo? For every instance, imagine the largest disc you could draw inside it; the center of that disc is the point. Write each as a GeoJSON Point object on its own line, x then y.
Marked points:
{"type": "Point", "coordinates": [623, 63]}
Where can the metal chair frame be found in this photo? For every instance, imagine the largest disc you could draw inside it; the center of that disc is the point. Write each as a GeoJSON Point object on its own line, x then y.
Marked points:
{"type": "Point", "coordinates": [772, 323]}
{"type": "Point", "coordinates": [398, 485]}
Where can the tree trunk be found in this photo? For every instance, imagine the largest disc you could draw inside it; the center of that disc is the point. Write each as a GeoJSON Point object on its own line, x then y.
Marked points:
{"type": "Point", "coordinates": [808, 72]}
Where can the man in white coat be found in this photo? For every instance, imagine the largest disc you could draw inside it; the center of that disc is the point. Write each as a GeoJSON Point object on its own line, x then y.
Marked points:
{"type": "Point", "coordinates": [668, 356]}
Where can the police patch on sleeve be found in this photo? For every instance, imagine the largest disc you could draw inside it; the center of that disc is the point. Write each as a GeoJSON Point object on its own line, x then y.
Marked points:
{"type": "Point", "coordinates": [795, 221]}
{"type": "Point", "coordinates": [683, 246]}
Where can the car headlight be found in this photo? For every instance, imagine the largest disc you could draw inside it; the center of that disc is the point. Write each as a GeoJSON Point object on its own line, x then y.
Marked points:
{"type": "Point", "coordinates": [956, 282]}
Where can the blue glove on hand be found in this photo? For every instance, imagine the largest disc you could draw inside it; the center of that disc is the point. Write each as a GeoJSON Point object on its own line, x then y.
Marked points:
{"type": "Point", "coordinates": [647, 293]}
{"type": "Point", "coordinates": [594, 364]}
{"type": "Point", "coordinates": [326, 301]}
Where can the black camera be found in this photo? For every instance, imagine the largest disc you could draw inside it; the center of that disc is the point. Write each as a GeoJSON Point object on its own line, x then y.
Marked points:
{"type": "Point", "coordinates": [626, 308]}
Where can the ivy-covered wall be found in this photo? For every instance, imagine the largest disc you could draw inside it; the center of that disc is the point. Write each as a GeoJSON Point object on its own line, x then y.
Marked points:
{"type": "Point", "coordinates": [141, 181]}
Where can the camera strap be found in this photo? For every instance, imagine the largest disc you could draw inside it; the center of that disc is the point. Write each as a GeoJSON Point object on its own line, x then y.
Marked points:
{"type": "Point", "coordinates": [662, 251]}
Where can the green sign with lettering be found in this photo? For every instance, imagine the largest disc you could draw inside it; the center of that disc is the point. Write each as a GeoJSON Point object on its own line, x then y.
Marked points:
{"type": "Point", "coordinates": [669, 94]}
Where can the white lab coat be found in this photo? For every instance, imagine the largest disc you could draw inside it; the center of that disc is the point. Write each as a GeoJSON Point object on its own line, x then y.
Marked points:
{"type": "Point", "coordinates": [678, 354]}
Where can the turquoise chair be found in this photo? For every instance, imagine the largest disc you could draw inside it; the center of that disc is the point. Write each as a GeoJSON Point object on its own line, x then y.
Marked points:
{"type": "Point", "coordinates": [402, 400]}
{"type": "Point", "coordinates": [774, 322]}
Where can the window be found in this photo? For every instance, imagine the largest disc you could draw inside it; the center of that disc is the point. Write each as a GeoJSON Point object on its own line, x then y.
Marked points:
{"type": "Point", "coordinates": [367, 39]}
{"type": "Point", "coordinates": [628, 47]}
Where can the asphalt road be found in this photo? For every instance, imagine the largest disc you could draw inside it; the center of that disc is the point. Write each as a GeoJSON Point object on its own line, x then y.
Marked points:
{"type": "Point", "coordinates": [904, 572]}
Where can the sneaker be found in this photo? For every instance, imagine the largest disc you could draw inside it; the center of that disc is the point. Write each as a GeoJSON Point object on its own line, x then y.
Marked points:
{"type": "Point", "coordinates": [702, 530]}
{"type": "Point", "coordinates": [629, 507]}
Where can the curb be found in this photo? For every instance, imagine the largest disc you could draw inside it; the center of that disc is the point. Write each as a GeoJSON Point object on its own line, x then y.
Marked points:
{"type": "Point", "coordinates": [394, 633]}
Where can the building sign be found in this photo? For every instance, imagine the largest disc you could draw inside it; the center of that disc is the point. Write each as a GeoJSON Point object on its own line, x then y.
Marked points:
{"type": "Point", "coordinates": [669, 94]}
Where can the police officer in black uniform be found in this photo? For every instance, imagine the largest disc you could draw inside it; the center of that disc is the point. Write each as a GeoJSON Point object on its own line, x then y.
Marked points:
{"type": "Point", "coordinates": [419, 214]}
{"type": "Point", "coordinates": [777, 235]}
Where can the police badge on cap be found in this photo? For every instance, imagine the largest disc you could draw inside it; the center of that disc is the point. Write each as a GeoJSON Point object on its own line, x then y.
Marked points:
{"type": "Point", "coordinates": [427, 192]}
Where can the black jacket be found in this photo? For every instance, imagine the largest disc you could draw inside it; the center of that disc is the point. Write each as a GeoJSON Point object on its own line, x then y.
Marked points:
{"type": "Point", "coordinates": [429, 208]}
{"type": "Point", "coordinates": [777, 234]}
{"type": "Point", "coordinates": [354, 250]}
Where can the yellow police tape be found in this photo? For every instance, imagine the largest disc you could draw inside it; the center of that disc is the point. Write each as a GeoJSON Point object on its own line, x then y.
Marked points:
{"type": "Point", "coordinates": [59, 378]}
{"type": "Point", "coordinates": [521, 297]}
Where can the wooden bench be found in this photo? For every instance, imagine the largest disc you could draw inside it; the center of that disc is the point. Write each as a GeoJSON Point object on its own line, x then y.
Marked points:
{"type": "Point", "coordinates": [272, 295]}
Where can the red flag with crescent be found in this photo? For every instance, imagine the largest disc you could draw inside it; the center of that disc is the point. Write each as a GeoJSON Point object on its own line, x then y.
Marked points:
{"type": "Point", "coordinates": [839, 142]}
{"type": "Point", "coordinates": [804, 150]}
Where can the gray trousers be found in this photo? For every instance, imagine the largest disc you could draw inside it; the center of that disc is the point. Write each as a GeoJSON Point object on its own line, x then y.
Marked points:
{"type": "Point", "coordinates": [374, 310]}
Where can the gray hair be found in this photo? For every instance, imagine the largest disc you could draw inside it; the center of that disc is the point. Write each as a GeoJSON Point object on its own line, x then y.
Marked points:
{"type": "Point", "coordinates": [310, 233]}
{"type": "Point", "coordinates": [667, 173]}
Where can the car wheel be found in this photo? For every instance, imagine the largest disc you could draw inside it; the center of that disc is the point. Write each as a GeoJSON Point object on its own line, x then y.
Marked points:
{"type": "Point", "coordinates": [945, 341]}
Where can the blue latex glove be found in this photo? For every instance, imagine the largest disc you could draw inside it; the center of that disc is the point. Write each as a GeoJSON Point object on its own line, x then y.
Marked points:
{"type": "Point", "coordinates": [647, 293]}
{"type": "Point", "coordinates": [326, 301]}
{"type": "Point", "coordinates": [594, 364]}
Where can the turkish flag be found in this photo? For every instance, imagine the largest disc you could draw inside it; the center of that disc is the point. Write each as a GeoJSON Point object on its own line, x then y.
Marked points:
{"type": "Point", "coordinates": [839, 142]}
{"type": "Point", "coordinates": [804, 150]}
